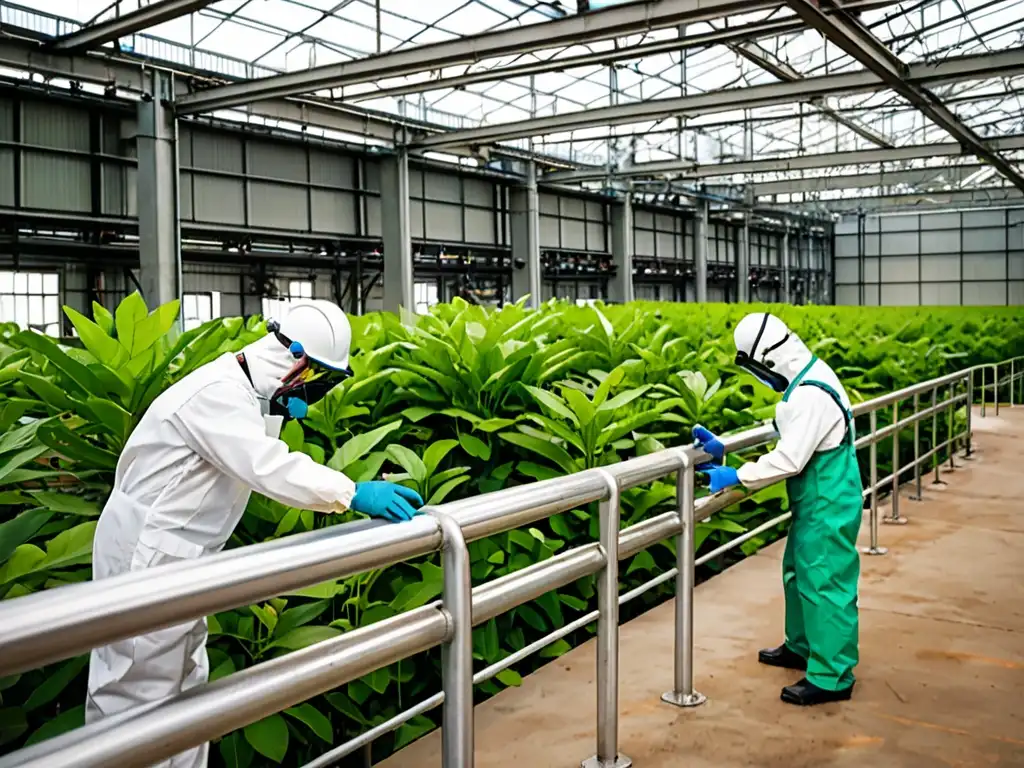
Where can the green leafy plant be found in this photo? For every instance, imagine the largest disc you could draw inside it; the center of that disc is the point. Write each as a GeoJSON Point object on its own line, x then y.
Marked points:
{"type": "Point", "coordinates": [460, 402]}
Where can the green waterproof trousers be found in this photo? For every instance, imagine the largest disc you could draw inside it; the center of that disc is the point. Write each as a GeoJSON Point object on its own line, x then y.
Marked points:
{"type": "Point", "coordinates": [821, 566]}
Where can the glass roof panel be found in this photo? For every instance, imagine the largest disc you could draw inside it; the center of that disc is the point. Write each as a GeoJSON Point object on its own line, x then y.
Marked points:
{"type": "Point", "coordinates": [260, 37]}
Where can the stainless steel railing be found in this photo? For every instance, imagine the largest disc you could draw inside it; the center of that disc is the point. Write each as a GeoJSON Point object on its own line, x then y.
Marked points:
{"type": "Point", "coordinates": [67, 621]}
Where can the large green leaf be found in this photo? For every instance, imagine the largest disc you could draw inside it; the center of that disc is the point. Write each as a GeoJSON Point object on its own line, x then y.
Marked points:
{"type": "Point", "coordinates": [66, 721]}
{"type": "Point", "coordinates": [66, 503]}
{"type": "Point", "coordinates": [436, 453]}
{"type": "Point", "coordinates": [553, 403]}
{"type": "Point", "coordinates": [48, 392]}
{"type": "Point", "coordinates": [314, 719]}
{"type": "Point", "coordinates": [104, 319]}
{"type": "Point", "coordinates": [269, 737]}
{"type": "Point", "coordinates": [128, 318]}
{"type": "Point", "coordinates": [55, 683]}
{"type": "Point", "coordinates": [75, 447]}
{"type": "Point", "coordinates": [235, 751]}
{"type": "Point", "coordinates": [9, 463]}
{"type": "Point", "coordinates": [12, 724]}
{"type": "Point", "coordinates": [20, 529]}
{"type": "Point", "coordinates": [412, 730]}
{"type": "Point", "coordinates": [360, 445]}
{"type": "Point", "coordinates": [303, 637]}
{"type": "Point", "coordinates": [554, 453]}
{"type": "Point", "coordinates": [104, 348]}
{"type": "Point", "coordinates": [409, 461]}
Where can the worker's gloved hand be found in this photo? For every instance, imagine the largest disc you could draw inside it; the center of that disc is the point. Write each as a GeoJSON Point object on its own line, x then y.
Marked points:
{"type": "Point", "coordinates": [719, 477]}
{"type": "Point", "coordinates": [709, 442]}
{"type": "Point", "coordinates": [388, 501]}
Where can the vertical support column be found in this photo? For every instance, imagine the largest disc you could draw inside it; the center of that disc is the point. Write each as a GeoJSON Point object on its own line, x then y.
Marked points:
{"type": "Point", "coordinates": [683, 694]}
{"type": "Point", "coordinates": [457, 653]}
{"type": "Point", "coordinates": [525, 232]}
{"type": "Point", "coordinates": [394, 205]}
{"type": "Point", "coordinates": [743, 264]}
{"type": "Point", "coordinates": [874, 549]}
{"type": "Point", "coordinates": [894, 517]}
{"type": "Point", "coordinates": [785, 267]}
{"type": "Point", "coordinates": [608, 637]}
{"type": "Point", "coordinates": [157, 190]}
{"type": "Point", "coordinates": [620, 289]}
{"type": "Point", "coordinates": [701, 255]}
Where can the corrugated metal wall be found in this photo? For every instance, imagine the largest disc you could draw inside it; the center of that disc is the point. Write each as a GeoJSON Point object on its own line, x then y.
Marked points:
{"type": "Point", "coordinates": [967, 257]}
{"type": "Point", "coordinates": [573, 224]}
{"type": "Point", "coordinates": [77, 158]}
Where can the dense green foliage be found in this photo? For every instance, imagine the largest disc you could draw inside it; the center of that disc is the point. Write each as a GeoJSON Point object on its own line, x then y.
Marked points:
{"type": "Point", "coordinates": [457, 403]}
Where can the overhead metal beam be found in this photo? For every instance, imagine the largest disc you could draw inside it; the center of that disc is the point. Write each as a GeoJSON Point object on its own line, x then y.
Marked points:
{"type": "Point", "coordinates": [573, 30]}
{"type": "Point", "coordinates": [129, 73]}
{"type": "Point", "coordinates": [848, 33]}
{"type": "Point", "coordinates": [981, 197]}
{"type": "Point", "coordinates": [752, 31]}
{"type": "Point", "coordinates": [919, 177]}
{"type": "Point", "coordinates": [953, 69]}
{"type": "Point", "coordinates": [157, 12]}
{"type": "Point", "coordinates": [685, 169]}
{"type": "Point", "coordinates": [601, 58]}
{"type": "Point", "coordinates": [772, 64]}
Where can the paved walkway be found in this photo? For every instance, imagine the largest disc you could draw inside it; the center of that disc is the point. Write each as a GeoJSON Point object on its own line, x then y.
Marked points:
{"type": "Point", "coordinates": [941, 679]}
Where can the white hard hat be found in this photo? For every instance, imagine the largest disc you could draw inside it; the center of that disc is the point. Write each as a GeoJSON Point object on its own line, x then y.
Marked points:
{"type": "Point", "coordinates": [323, 330]}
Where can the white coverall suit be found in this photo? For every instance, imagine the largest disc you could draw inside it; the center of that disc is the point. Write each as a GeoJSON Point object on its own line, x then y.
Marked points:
{"type": "Point", "coordinates": [807, 423]}
{"type": "Point", "coordinates": [181, 486]}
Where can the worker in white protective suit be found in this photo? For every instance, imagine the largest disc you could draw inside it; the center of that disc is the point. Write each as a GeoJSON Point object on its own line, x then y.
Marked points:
{"type": "Point", "coordinates": [185, 476]}
{"type": "Point", "coordinates": [817, 457]}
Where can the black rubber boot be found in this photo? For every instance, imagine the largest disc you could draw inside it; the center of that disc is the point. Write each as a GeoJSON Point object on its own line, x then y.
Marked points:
{"type": "Point", "coordinates": [807, 694]}
{"type": "Point", "coordinates": [783, 656]}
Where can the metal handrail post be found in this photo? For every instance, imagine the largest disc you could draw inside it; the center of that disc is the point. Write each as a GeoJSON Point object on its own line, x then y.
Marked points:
{"type": "Point", "coordinates": [970, 409]}
{"type": "Point", "coordinates": [952, 426]}
{"type": "Point", "coordinates": [936, 454]}
{"type": "Point", "coordinates": [983, 371]}
{"type": "Point", "coordinates": [917, 449]}
{"type": "Point", "coordinates": [1012, 369]}
{"type": "Point", "coordinates": [608, 636]}
{"type": "Point", "coordinates": [683, 693]}
{"type": "Point", "coordinates": [874, 549]}
{"type": "Point", "coordinates": [995, 385]}
{"type": "Point", "coordinates": [894, 517]}
{"type": "Point", "coordinates": [457, 653]}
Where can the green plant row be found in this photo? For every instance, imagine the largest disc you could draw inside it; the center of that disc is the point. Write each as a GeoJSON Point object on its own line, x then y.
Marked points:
{"type": "Point", "coordinates": [461, 402]}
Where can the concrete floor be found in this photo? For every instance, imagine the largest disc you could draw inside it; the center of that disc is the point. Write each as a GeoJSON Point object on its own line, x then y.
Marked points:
{"type": "Point", "coordinates": [941, 678]}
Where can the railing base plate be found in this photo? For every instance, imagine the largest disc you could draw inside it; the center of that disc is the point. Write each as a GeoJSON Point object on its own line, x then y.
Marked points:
{"type": "Point", "coordinates": [594, 762]}
{"type": "Point", "coordinates": [895, 520]}
{"type": "Point", "coordinates": [874, 550]}
{"type": "Point", "coordinates": [685, 700]}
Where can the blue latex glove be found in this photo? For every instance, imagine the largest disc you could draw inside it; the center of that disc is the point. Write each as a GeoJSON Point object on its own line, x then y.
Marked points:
{"type": "Point", "coordinates": [388, 501]}
{"type": "Point", "coordinates": [720, 477]}
{"type": "Point", "coordinates": [710, 443]}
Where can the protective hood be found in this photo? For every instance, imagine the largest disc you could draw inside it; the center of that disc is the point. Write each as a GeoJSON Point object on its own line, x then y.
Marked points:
{"type": "Point", "coordinates": [268, 363]}
{"type": "Point", "coordinates": [766, 348]}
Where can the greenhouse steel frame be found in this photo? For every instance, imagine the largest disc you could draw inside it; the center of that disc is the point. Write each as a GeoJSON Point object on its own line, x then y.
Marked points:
{"type": "Point", "coordinates": [70, 620]}
{"type": "Point", "coordinates": [513, 66]}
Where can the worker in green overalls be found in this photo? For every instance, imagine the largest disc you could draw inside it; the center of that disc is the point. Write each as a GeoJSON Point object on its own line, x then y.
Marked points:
{"type": "Point", "coordinates": [816, 456]}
